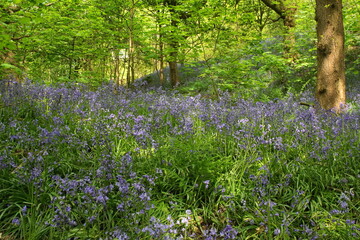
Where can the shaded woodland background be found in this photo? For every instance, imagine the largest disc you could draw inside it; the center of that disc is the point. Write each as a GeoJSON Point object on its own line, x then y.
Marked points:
{"type": "Point", "coordinates": [248, 46]}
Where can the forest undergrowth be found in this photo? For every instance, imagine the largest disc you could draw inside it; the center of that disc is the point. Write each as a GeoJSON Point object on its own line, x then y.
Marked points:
{"type": "Point", "coordinates": [155, 164]}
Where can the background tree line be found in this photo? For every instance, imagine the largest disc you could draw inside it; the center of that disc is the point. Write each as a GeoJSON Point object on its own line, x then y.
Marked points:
{"type": "Point", "coordinates": [226, 44]}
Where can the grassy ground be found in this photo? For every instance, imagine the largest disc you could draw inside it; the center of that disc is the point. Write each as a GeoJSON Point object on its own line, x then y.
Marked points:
{"type": "Point", "coordinates": [78, 164]}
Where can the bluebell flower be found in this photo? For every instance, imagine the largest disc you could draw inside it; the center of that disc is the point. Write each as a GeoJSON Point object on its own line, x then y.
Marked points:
{"type": "Point", "coordinates": [24, 210]}
{"type": "Point", "coordinates": [277, 231]}
{"type": "Point", "coordinates": [15, 221]}
{"type": "Point", "coordinates": [206, 182]}
{"type": "Point", "coordinates": [228, 232]}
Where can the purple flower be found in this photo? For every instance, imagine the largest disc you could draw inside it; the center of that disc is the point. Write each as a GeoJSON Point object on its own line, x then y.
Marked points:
{"type": "Point", "coordinates": [24, 210]}
{"type": "Point", "coordinates": [228, 232]}
{"type": "Point", "coordinates": [206, 182]}
{"type": "Point", "coordinates": [277, 231]}
{"type": "Point", "coordinates": [144, 196]}
{"type": "Point", "coordinates": [122, 184]}
{"type": "Point", "coordinates": [90, 190]}
{"type": "Point", "coordinates": [102, 199]}
{"type": "Point", "coordinates": [343, 204]}
{"type": "Point", "coordinates": [210, 234]}
{"type": "Point", "coordinates": [150, 179]}
{"type": "Point", "coordinates": [15, 221]}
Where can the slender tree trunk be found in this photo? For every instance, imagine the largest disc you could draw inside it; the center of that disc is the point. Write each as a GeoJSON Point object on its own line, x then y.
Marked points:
{"type": "Point", "coordinates": [286, 11]}
{"type": "Point", "coordinates": [161, 70]}
{"type": "Point", "coordinates": [117, 68]}
{"type": "Point", "coordinates": [72, 59]}
{"type": "Point", "coordinates": [330, 86]}
{"type": "Point", "coordinates": [174, 46]}
{"type": "Point", "coordinates": [70, 69]}
{"type": "Point", "coordinates": [174, 74]}
{"type": "Point", "coordinates": [131, 60]}
{"type": "Point", "coordinates": [161, 56]}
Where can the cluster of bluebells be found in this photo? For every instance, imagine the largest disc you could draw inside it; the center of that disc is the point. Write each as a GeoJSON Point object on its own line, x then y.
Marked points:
{"type": "Point", "coordinates": [101, 130]}
{"type": "Point", "coordinates": [180, 229]}
{"type": "Point", "coordinates": [85, 200]}
{"type": "Point", "coordinates": [227, 233]}
{"type": "Point", "coordinates": [267, 211]}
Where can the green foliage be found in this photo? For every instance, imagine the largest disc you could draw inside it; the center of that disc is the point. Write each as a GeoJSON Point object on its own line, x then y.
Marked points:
{"type": "Point", "coordinates": [240, 43]}
{"type": "Point", "coordinates": [352, 40]}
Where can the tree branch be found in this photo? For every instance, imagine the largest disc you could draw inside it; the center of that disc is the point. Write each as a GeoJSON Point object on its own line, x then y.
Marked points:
{"type": "Point", "coordinates": [276, 6]}
{"type": "Point", "coordinates": [307, 104]}
{"type": "Point", "coordinates": [19, 38]}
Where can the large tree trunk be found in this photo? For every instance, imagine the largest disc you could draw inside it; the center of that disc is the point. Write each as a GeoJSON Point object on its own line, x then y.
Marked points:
{"type": "Point", "coordinates": [330, 86]}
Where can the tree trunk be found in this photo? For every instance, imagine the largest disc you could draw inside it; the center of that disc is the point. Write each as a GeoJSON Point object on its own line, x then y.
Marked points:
{"type": "Point", "coordinates": [330, 85]}
{"type": "Point", "coordinates": [173, 58]}
{"type": "Point", "coordinates": [131, 61]}
{"type": "Point", "coordinates": [289, 37]}
{"type": "Point", "coordinates": [161, 57]}
{"type": "Point", "coordinates": [174, 48]}
{"type": "Point", "coordinates": [159, 62]}
{"type": "Point", "coordinates": [116, 75]}
{"type": "Point", "coordinates": [174, 74]}
{"type": "Point", "coordinates": [286, 11]}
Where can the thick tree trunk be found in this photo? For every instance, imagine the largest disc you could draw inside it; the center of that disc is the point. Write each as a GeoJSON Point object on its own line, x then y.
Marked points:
{"type": "Point", "coordinates": [330, 86]}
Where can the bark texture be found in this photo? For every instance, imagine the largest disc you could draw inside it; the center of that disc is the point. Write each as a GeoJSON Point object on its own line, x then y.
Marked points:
{"type": "Point", "coordinates": [173, 44]}
{"type": "Point", "coordinates": [330, 86]}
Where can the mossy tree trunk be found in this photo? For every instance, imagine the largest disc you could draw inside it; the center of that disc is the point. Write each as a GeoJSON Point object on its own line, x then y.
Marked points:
{"type": "Point", "coordinates": [9, 62]}
{"type": "Point", "coordinates": [330, 86]}
{"type": "Point", "coordinates": [286, 10]}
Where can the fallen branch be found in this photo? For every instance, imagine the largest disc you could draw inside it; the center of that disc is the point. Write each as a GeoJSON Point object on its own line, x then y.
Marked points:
{"type": "Point", "coordinates": [307, 104]}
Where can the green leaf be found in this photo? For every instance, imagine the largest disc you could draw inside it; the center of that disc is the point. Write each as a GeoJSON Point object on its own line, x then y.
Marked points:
{"type": "Point", "coordinates": [8, 66]}
{"type": "Point", "coordinates": [24, 20]}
